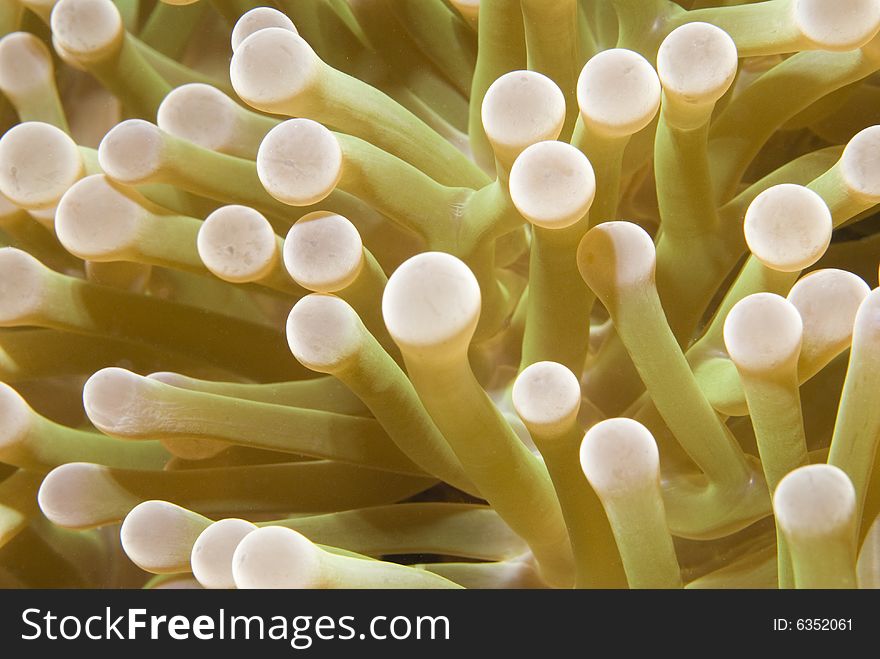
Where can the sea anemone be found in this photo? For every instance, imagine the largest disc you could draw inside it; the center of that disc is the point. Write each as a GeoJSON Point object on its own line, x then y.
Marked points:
{"type": "Point", "coordinates": [439, 293]}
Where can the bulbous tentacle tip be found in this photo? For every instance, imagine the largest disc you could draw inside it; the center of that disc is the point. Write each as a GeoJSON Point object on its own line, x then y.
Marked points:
{"type": "Point", "coordinates": [697, 63]}
{"type": "Point", "coordinates": [213, 551]}
{"type": "Point", "coordinates": [519, 109]}
{"type": "Point", "coordinates": [614, 256]}
{"type": "Point", "coordinates": [25, 63]}
{"type": "Point", "coordinates": [77, 494]}
{"type": "Point", "coordinates": [788, 227]}
{"type": "Point", "coordinates": [111, 398]}
{"type": "Point", "coordinates": [323, 252]}
{"type": "Point", "coordinates": [324, 332]}
{"type": "Point", "coordinates": [552, 184]}
{"type": "Point", "coordinates": [28, 177]}
{"type": "Point", "coordinates": [547, 396]}
{"type": "Point", "coordinates": [155, 533]}
{"type": "Point", "coordinates": [237, 244]}
{"type": "Point", "coordinates": [23, 287]}
{"type": "Point", "coordinates": [16, 415]}
{"type": "Point", "coordinates": [837, 26]}
{"type": "Point", "coordinates": [815, 501]}
{"type": "Point", "coordinates": [132, 152]}
{"type": "Point", "coordinates": [618, 92]}
{"type": "Point", "coordinates": [87, 30]}
{"type": "Point", "coordinates": [271, 67]}
{"type": "Point", "coordinates": [276, 557]}
{"type": "Point", "coordinates": [860, 164]}
{"type": "Point", "coordinates": [299, 162]}
{"type": "Point", "coordinates": [763, 332]}
{"type": "Point", "coordinates": [259, 18]}
{"type": "Point", "coordinates": [184, 113]}
{"type": "Point", "coordinates": [619, 456]}
{"type": "Point", "coordinates": [96, 219]}
{"type": "Point", "coordinates": [432, 302]}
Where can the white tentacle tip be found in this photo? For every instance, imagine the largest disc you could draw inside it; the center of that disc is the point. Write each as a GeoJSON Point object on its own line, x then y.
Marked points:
{"type": "Point", "coordinates": [111, 400]}
{"type": "Point", "coordinates": [323, 252]}
{"type": "Point", "coordinates": [95, 219]}
{"type": "Point", "coordinates": [616, 255]}
{"type": "Point", "coordinates": [547, 396]}
{"type": "Point", "coordinates": [552, 184]}
{"type": "Point", "coordinates": [16, 415]}
{"type": "Point", "coordinates": [619, 456]}
{"type": "Point", "coordinates": [87, 29]}
{"type": "Point", "coordinates": [432, 301]}
{"type": "Point", "coordinates": [79, 495]}
{"type": "Point", "coordinates": [866, 328]}
{"type": "Point", "coordinates": [815, 501]}
{"type": "Point", "coordinates": [828, 301]}
{"type": "Point", "coordinates": [788, 227]}
{"type": "Point", "coordinates": [299, 162]}
{"type": "Point", "coordinates": [23, 287]}
{"type": "Point", "coordinates": [860, 164]}
{"type": "Point", "coordinates": [131, 152]}
{"type": "Point", "coordinates": [237, 244]}
{"type": "Point", "coordinates": [272, 66]}
{"type": "Point", "coordinates": [200, 114]}
{"type": "Point", "coordinates": [259, 18]}
{"type": "Point", "coordinates": [521, 108]}
{"type": "Point", "coordinates": [38, 163]}
{"type": "Point", "coordinates": [618, 92]}
{"type": "Point", "coordinates": [213, 550]}
{"type": "Point", "coordinates": [697, 62]}
{"type": "Point", "coordinates": [324, 332]}
{"type": "Point", "coordinates": [836, 25]}
{"type": "Point", "coordinates": [154, 533]}
{"type": "Point", "coordinates": [25, 64]}
{"type": "Point", "coordinates": [763, 332]}
{"type": "Point", "coordinates": [275, 557]}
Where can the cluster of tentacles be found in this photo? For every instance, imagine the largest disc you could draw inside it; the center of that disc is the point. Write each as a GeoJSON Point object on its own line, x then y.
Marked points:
{"type": "Point", "coordinates": [439, 293]}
